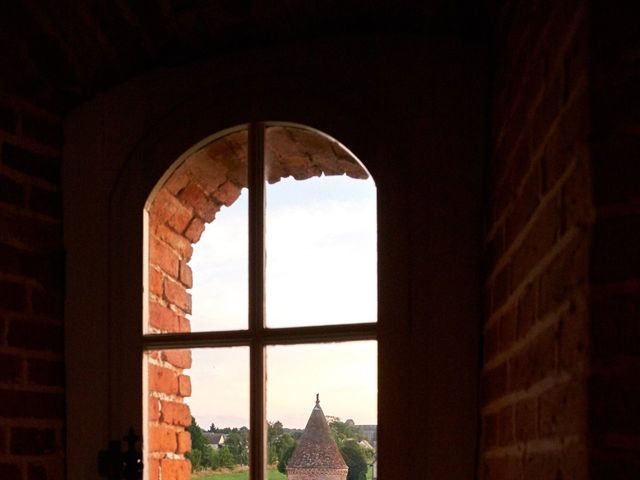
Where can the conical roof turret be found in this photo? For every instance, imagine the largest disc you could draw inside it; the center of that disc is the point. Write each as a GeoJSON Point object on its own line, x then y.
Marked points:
{"type": "Point", "coordinates": [317, 450]}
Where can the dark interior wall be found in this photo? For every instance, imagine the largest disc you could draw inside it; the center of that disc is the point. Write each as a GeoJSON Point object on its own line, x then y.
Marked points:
{"type": "Point", "coordinates": [538, 232]}
{"type": "Point", "coordinates": [615, 255]}
{"type": "Point", "coordinates": [32, 401]}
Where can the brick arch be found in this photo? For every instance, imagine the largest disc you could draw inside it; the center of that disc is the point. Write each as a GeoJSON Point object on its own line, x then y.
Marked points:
{"type": "Point", "coordinates": [182, 205]}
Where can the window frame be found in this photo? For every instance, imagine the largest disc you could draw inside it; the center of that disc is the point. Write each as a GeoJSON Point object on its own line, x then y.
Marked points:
{"type": "Point", "coordinates": [257, 336]}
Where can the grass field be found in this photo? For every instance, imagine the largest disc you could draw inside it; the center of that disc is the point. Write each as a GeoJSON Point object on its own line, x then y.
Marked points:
{"type": "Point", "coordinates": [272, 474]}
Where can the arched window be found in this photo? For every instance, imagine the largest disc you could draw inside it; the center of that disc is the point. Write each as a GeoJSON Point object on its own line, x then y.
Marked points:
{"type": "Point", "coordinates": [335, 306]}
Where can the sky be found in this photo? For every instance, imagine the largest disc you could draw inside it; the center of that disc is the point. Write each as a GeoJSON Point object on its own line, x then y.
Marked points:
{"type": "Point", "coordinates": [320, 269]}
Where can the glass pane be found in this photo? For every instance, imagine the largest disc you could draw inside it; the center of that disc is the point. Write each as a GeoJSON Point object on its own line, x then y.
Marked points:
{"type": "Point", "coordinates": [220, 274]}
{"type": "Point", "coordinates": [345, 377]}
{"type": "Point", "coordinates": [198, 411]}
{"type": "Point", "coordinates": [320, 232]}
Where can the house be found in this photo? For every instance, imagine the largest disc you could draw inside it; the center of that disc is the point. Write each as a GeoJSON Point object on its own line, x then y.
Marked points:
{"type": "Point", "coordinates": [503, 139]}
{"type": "Point", "coordinates": [216, 440]}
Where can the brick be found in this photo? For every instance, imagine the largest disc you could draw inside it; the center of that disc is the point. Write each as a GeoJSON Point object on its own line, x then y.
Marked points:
{"type": "Point", "coordinates": [31, 164]}
{"type": "Point", "coordinates": [154, 409]}
{"type": "Point", "coordinates": [186, 275]}
{"type": "Point", "coordinates": [549, 107]}
{"type": "Point", "coordinates": [163, 380]}
{"type": "Point", "coordinates": [540, 466]}
{"type": "Point", "coordinates": [168, 210]}
{"type": "Point", "coordinates": [33, 441]}
{"type": "Point", "coordinates": [569, 136]}
{"type": "Point", "coordinates": [185, 324]}
{"type": "Point", "coordinates": [573, 339]}
{"type": "Point", "coordinates": [177, 242]}
{"type": "Point", "coordinates": [153, 467]}
{"type": "Point", "coordinates": [568, 271]}
{"type": "Point", "coordinates": [526, 420]}
{"type": "Point", "coordinates": [563, 411]}
{"type": "Point", "coordinates": [10, 369]}
{"type": "Point", "coordinates": [505, 426]}
{"type": "Point", "coordinates": [45, 268]}
{"type": "Point", "coordinates": [184, 385]}
{"type": "Point", "coordinates": [163, 318]}
{"type": "Point", "coordinates": [499, 468]}
{"type": "Point", "coordinates": [162, 256]}
{"type": "Point", "coordinates": [162, 439]}
{"type": "Point", "coordinates": [178, 358]}
{"type": "Point", "coordinates": [11, 192]}
{"type": "Point", "coordinates": [227, 193]}
{"type": "Point", "coordinates": [524, 205]}
{"type": "Point", "coordinates": [236, 169]}
{"type": "Point", "coordinates": [537, 243]}
{"type": "Point", "coordinates": [194, 230]}
{"type": "Point", "coordinates": [176, 294]}
{"type": "Point", "coordinates": [193, 196]}
{"type": "Point", "coordinates": [35, 336]}
{"type": "Point", "coordinates": [175, 469]}
{"type": "Point", "coordinates": [577, 204]}
{"type": "Point", "coordinates": [13, 296]}
{"type": "Point", "coordinates": [45, 372]}
{"type": "Point", "coordinates": [30, 233]}
{"type": "Point", "coordinates": [46, 202]}
{"type": "Point", "coordinates": [184, 442]}
{"type": "Point", "coordinates": [534, 362]}
{"type": "Point", "coordinates": [507, 324]}
{"type": "Point", "coordinates": [174, 413]}
{"type": "Point", "coordinates": [527, 309]}
{"type": "Point", "coordinates": [156, 281]}
{"type": "Point", "coordinates": [177, 181]}
{"type": "Point", "coordinates": [10, 471]}
{"type": "Point", "coordinates": [616, 256]}
{"type": "Point", "coordinates": [31, 404]}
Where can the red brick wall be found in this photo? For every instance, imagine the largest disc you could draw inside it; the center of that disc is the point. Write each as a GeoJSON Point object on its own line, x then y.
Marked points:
{"type": "Point", "coordinates": [32, 405]}
{"type": "Point", "coordinates": [615, 256]}
{"type": "Point", "coordinates": [540, 212]}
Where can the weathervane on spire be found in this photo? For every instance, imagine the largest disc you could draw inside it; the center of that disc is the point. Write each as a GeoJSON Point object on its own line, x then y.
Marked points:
{"type": "Point", "coordinates": [317, 399]}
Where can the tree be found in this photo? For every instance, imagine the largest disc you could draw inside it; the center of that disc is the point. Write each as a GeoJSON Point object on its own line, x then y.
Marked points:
{"type": "Point", "coordinates": [195, 457]}
{"type": "Point", "coordinates": [225, 458]}
{"type": "Point", "coordinates": [213, 458]}
{"type": "Point", "coordinates": [237, 441]}
{"type": "Point", "coordinates": [279, 446]}
{"type": "Point", "coordinates": [199, 446]}
{"type": "Point", "coordinates": [355, 458]}
{"type": "Point", "coordinates": [274, 430]}
{"type": "Point", "coordinates": [212, 427]}
{"type": "Point", "coordinates": [342, 431]}
{"type": "Point", "coordinates": [284, 459]}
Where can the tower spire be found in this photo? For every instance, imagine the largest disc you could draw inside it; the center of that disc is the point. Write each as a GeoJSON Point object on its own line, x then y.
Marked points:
{"type": "Point", "coordinates": [317, 399]}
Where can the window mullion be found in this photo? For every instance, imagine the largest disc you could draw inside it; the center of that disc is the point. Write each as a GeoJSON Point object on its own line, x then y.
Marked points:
{"type": "Point", "coordinates": [256, 300]}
